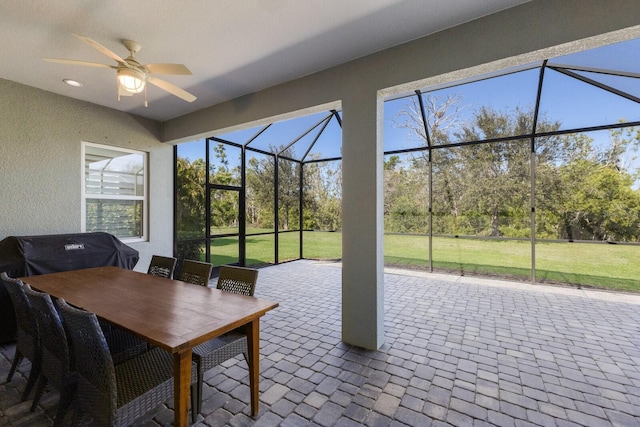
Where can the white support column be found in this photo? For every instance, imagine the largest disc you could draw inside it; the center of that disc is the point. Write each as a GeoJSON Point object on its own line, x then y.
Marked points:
{"type": "Point", "coordinates": [362, 220]}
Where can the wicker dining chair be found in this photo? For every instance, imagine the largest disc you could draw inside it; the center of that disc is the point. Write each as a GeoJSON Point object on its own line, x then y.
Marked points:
{"type": "Point", "coordinates": [56, 360]}
{"type": "Point", "coordinates": [123, 345]}
{"type": "Point", "coordinates": [162, 266]}
{"type": "Point", "coordinates": [26, 333]}
{"type": "Point", "coordinates": [196, 272]}
{"type": "Point", "coordinates": [209, 354]}
{"type": "Point", "coordinates": [115, 395]}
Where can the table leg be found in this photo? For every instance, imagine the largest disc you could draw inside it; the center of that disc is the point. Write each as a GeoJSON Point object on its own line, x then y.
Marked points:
{"type": "Point", "coordinates": [181, 387]}
{"type": "Point", "coordinates": [253, 344]}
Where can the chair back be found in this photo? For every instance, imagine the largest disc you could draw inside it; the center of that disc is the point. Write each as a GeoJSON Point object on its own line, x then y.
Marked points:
{"type": "Point", "coordinates": [196, 272]}
{"type": "Point", "coordinates": [26, 328]}
{"type": "Point", "coordinates": [97, 389]}
{"type": "Point", "coordinates": [239, 280]}
{"type": "Point", "coordinates": [162, 266]}
{"type": "Point", "coordinates": [56, 361]}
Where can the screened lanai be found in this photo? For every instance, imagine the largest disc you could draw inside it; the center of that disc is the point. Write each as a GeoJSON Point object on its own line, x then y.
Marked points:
{"type": "Point", "coordinates": [235, 206]}
{"type": "Point", "coordinates": [528, 174]}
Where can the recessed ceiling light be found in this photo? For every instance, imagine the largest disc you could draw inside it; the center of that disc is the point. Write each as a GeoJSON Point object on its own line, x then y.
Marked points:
{"type": "Point", "coordinates": [72, 83]}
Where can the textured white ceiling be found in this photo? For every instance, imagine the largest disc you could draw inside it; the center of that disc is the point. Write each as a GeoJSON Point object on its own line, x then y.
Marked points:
{"type": "Point", "coordinates": [233, 47]}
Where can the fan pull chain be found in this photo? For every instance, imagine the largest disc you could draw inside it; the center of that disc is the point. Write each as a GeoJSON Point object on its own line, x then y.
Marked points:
{"type": "Point", "coordinates": [145, 96]}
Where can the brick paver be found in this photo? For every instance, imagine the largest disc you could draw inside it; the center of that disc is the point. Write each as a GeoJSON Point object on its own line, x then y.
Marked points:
{"type": "Point", "coordinates": [458, 351]}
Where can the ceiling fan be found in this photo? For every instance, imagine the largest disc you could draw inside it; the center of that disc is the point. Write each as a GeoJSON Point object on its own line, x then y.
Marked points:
{"type": "Point", "coordinates": [131, 75]}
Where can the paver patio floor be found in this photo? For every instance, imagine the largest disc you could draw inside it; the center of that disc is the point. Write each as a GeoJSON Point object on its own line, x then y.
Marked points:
{"type": "Point", "coordinates": [458, 351]}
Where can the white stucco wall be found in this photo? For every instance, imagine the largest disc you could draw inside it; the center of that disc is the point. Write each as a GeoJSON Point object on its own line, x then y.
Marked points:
{"type": "Point", "coordinates": [40, 164]}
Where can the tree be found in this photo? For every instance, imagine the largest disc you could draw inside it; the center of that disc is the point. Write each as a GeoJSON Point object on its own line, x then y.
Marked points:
{"type": "Point", "coordinates": [322, 196]}
{"type": "Point", "coordinates": [190, 184]}
{"type": "Point", "coordinates": [583, 190]}
{"type": "Point", "coordinates": [443, 117]}
{"type": "Point", "coordinates": [478, 189]}
{"type": "Point", "coordinates": [190, 206]}
{"type": "Point", "coordinates": [495, 191]}
{"type": "Point", "coordinates": [288, 193]}
{"type": "Point", "coordinates": [261, 181]}
{"type": "Point", "coordinates": [224, 203]}
{"type": "Point", "coordinates": [406, 202]}
{"type": "Point", "coordinates": [260, 192]}
{"type": "Point", "coordinates": [597, 200]}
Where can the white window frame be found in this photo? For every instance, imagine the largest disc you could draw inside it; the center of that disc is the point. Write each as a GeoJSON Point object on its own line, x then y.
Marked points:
{"type": "Point", "coordinates": [144, 198]}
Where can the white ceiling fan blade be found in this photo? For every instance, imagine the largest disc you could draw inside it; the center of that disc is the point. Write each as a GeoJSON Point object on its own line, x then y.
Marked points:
{"type": "Point", "coordinates": [174, 69]}
{"type": "Point", "coordinates": [94, 44]}
{"type": "Point", "coordinates": [74, 62]}
{"type": "Point", "coordinates": [172, 89]}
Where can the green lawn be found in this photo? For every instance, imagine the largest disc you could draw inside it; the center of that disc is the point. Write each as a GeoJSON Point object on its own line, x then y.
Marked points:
{"type": "Point", "coordinates": [586, 264]}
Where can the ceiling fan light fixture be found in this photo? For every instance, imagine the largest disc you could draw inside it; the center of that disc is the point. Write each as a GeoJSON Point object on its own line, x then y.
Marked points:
{"type": "Point", "coordinates": [131, 80]}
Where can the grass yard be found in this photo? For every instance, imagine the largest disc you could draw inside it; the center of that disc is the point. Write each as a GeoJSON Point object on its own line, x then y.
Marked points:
{"type": "Point", "coordinates": [586, 264]}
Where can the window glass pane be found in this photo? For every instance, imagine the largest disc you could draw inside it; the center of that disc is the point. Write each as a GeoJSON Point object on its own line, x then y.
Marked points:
{"type": "Point", "coordinates": [304, 142]}
{"type": "Point", "coordinates": [587, 186]}
{"type": "Point", "coordinates": [192, 151]}
{"type": "Point", "coordinates": [114, 199]}
{"type": "Point", "coordinates": [224, 212]}
{"type": "Point", "coordinates": [589, 264]}
{"type": "Point", "coordinates": [587, 198]}
{"type": "Point", "coordinates": [406, 209]}
{"type": "Point", "coordinates": [629, 86]}
{"type": "Point", "coordinates": [322, 245]}
{"type": "Point", "coordinates": [113, 172]}
{"type": "Point", "coordinates": [458, 114]}
{"type": "Point", "coordinates": [574, 104]}
{"type": "Point", "coordinates": [191, 249]}
{"type": "Point", "coordinates": [260, 249]}
{"type": "Point", "coordinates": [288, 195]}
{"type": "Point", "coordinates": [481, 208]}
{"type": "Point", "coordinates": [260, 195]}
{"type": "Point", "coordinates": [122, 218]}
{"type": "Point", "coordinates": [288, 245]}
{"type": "Point", "coordinates": [224, 163]}
{"type": "Point", "coordinates": [406, 250]}
{"type": "Point", "coordinates": [406, 193]}
{"type": "Point", "coordinates": [241, 136]}
{"type": "Point", "coordinates": [622, 56]}
{"type": "Point", "coordinates": [329, 144]}
{"type": "Point", "coordinates": [224, 250]}
{"type": "Point", "coordinates": [323, 196]}
{"type": "Point", "coordinates": [190, 187]}
{"type": "Point", "coordinates": [403, 125]}
{"type": "Point", "coordinates": [280, 134]}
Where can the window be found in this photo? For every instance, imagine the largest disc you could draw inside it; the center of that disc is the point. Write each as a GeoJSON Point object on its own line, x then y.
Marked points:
{"type": "Point", "coordinates": [114, 193]}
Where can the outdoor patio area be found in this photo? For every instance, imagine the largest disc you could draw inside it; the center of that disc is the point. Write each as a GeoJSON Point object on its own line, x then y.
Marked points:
{"type": "Point", "coordinates": [458, 351]}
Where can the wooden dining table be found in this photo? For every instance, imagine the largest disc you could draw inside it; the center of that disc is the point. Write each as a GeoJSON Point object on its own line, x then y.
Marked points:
{"type": "Point", "coordinates": [170, 314]}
